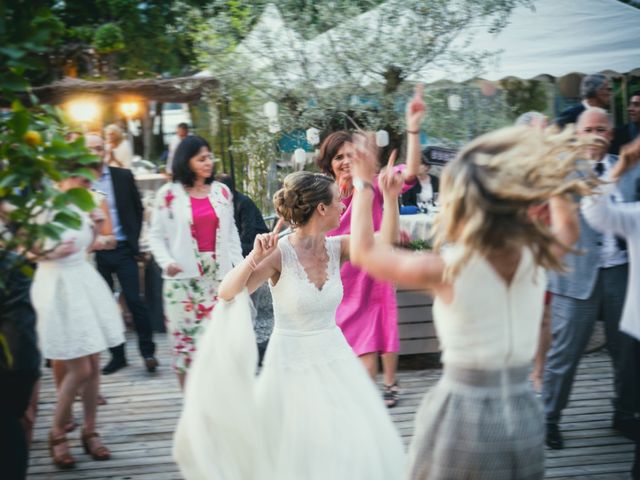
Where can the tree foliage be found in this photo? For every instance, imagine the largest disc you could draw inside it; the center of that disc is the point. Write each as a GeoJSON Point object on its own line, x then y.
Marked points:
{"type": "Point", "coordinates": [329, 64]}
{"type": "Point", "coordinates": [33, 151]}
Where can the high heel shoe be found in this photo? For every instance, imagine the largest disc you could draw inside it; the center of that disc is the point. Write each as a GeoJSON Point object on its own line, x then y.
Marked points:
{"type": "Point", "coordinates": [99, 453]}
{"type": "Point", "coordinates": [64, 461]}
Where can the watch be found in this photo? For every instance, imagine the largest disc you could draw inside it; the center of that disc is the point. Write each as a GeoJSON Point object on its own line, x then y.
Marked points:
{"type": "Point", "coordinates": [359, 185]}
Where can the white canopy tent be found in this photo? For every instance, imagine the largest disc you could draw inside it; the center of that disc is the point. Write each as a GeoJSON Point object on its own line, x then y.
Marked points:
{"type": "Point", "coordinates": [556, 38]}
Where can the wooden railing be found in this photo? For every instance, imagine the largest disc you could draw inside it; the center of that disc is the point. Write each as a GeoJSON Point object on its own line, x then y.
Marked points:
{"type": "Point", "coordinates": [415, 323]}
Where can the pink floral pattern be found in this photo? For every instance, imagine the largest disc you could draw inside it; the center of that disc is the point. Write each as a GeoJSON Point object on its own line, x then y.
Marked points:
{"type": "Point", "coordinates": [188, 304]}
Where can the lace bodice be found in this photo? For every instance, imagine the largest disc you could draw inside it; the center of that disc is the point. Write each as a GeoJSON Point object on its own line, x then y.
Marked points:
{"type": "Point", "coordinates": [297, 303]}
{"type": "Point", "coordinates": [490, 324]}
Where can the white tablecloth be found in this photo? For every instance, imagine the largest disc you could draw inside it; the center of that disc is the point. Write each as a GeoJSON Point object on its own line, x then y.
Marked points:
{"type": "Point", "coordinates": [417, 226]}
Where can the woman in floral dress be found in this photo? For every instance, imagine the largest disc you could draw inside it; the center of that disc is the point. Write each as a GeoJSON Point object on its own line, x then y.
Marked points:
{"type": "Point", "coordinates": [194, 239]}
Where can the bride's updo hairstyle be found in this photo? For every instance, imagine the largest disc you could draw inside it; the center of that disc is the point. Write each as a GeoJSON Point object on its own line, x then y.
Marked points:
{"type": "Point", "coordinates": [488, 188]}
{"type": "Point", "coordinates": [301, 193]}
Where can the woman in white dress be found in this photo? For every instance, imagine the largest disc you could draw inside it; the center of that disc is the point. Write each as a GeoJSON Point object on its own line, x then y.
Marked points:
{"type": "Point", "coordinates": [77, 319]}
{"type": "Point", "coordinates": [314, 411]}
{"type": "Point", "coordinates": [482, 420]}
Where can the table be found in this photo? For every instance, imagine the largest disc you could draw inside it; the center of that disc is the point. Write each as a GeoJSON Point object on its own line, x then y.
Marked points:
{"type": "Point", "coordinates": [418, 225]}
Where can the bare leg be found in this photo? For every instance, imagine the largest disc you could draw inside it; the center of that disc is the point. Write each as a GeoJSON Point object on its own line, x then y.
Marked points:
{"type": "Point", "coordinates": [59, 369]}
{"type": "Point", "coordinates": [544, 342]}
{"type": "Point", "coordinates": [370, 362]}
{"type": "Point", "coordinates": [90, 394]}
{"type": "Point", "coordinates": [389, 367]}
{"type": "Point", "coordinates": [90, 403]}
{"type": "Point", "coordinates": [78, 373]}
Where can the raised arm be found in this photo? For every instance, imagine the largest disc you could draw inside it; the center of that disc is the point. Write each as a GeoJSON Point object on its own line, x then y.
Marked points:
{"type": "Point", "coordinates": [261, 264]}
{"type": "Point", "coordinates": [378, 259]}
{"type": "Point", "coordinates": [415, 112]}
{"type": "Point", "coordinates": [606, 216]}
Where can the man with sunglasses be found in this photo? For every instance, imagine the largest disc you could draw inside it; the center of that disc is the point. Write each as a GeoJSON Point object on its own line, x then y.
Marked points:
{"type": "Point", "coordinates": [125, 207]}
{"type": "Point", "coordinates": [595, 91]}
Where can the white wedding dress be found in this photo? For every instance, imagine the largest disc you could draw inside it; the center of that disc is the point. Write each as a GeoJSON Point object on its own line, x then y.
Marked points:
{"type": "Point", "coordinates": [312, 413]}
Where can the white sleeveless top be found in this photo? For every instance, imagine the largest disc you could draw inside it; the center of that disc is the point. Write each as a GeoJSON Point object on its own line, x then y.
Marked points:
{"type": "Point", "coordinates": [489, 324]}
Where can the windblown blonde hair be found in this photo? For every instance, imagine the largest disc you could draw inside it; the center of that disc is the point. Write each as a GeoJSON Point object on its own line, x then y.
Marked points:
{"type": "Point", "coordinates": [487, 189]}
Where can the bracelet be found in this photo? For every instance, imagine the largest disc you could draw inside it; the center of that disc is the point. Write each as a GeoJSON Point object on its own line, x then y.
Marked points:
{"type": "Point", "coordinates": [413, 132]}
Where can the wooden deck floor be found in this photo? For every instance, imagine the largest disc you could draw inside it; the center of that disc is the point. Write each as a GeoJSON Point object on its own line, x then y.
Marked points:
{"type": "Point", "coordinates": [138, 422]}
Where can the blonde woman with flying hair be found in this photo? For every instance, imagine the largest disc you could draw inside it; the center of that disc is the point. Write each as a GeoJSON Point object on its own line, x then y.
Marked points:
{"type": "Point", "coordinates": [487, 275]}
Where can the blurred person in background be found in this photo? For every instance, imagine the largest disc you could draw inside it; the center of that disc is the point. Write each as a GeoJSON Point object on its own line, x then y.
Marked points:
{"type": "Point", "coordinates": [194, 239]}
{"type": "Point", "coordinates": [368, 314]}
{"type": "Point", "coordinates": [629, 131]}
{"type": "Point", "coordinates": [77, 319]}
{"type": "Point", "coordinates": [126, 210]}
{"type": "Point", "coordinates": [118, 149]}
{"type": "Point", "coordinates": [182, 130]}
{"type": "Point", "coordinates": [595, 91]}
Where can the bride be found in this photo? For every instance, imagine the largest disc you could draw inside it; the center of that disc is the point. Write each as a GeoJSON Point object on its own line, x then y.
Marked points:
{"type": "Point", "coordinates": [313, 412]}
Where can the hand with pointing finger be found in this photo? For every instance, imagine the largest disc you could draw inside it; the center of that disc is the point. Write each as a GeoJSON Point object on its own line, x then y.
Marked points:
{"type": "Point", "coordinates": [265, 243]}
{"type": "Point", "coordinates": [390, 181]}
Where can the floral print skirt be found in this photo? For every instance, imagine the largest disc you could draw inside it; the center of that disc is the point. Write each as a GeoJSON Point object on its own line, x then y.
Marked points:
{"type": "Point", "coordinates": [188, 303]}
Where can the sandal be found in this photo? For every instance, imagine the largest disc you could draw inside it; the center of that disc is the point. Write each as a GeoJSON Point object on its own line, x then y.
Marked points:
{"type": "Point", "coordinates": [71, 425]}
{"type": "Point", "coordinates": [65, 460]}
{"type": "Point", "coordinates": [98, 453]}
{"type": "Point", "coordinates": [391, 394]}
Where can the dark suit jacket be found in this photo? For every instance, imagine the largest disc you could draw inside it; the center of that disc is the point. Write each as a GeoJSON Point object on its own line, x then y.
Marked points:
{"type": "Point", "coordinates": [410, 197]}
{"type": "Point", "coordinates": [623, 135]}
{"type": "Point", "coordinates": [128, 204]}
{"type": "Point", "coordinates": [570, 115]}
{"type": "Point", "coordinates": [249, 221]}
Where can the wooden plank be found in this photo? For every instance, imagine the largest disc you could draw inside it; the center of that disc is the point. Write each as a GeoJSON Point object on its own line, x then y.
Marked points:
{"type": "Point", "coordinates": [408, 331]}
{"type": "Point", "coordinates": [414, 315]}
{"type": "Point", "coordinates": [138, 421]}
{"type": "Point", "coordinates": [426, 345]}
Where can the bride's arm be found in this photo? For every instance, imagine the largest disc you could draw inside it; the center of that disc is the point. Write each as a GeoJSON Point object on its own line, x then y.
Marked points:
{"type": "Point", "coordinates": [261, 264]}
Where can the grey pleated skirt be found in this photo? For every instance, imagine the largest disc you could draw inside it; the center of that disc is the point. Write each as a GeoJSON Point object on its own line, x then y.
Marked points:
{"type": "Point", "coordinates": [480, 425]}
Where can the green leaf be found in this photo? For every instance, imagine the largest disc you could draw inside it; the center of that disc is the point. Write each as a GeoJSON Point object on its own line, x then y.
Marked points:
{"type": "Point", "coordinates": [12, 52]}
{"type": "Point", "coordinates": [52, 231]}
{"type": "Point", "coordinates": [82, 198]}
{"type": "Point", "coordinates": [19, 122]}
{"type": "Point", "coordinates": [68, 219]}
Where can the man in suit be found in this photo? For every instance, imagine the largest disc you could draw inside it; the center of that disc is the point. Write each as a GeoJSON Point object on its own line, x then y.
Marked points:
{"type": "Point", "coordinates": [595, 91]}
{"type": "Point", "coordinates": [630, 131]}
{"type": "Point", "coordinates": [592, 288]}
{"type": "Point", "coordinates": [126, 212]}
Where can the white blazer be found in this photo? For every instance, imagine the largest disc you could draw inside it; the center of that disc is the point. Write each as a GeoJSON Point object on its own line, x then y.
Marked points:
{"type": "Point", "coordinates": [170, 236]}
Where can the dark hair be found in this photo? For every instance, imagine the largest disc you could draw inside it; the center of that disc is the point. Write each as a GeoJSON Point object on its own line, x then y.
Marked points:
{"type": "Point", "coordinates": [302, 192]}
{"type": "Point", "coordinates": [635, 93]}
{"type": "Point", "coordinates": [187, 149]}
{"type": "Point", "coordinates": [183, 125]}
{"type": "Point", "coordinates": [329, 149]}
{"type": "Point", "coordinates": [227, 180]}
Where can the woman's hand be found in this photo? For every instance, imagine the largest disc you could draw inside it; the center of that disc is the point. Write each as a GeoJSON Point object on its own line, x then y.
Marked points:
{"type": "Point", "coordinates": [97, 216]}
{"type": "Point", "coordinates": [416, 109]}
{"type": "Point", "coordinates": [629, 157]}
{"type": "Point", "coordinates": [64, 249]}
{"type": "Point", "coordinates": [364, 163]}
{"type": "Point", "coordinates": [173, 269]}
{"type": "Point", "coordinates": [265, 243]}
{"type": "Point", "coordinates": [104, 242]}
{"type": "Point", "coordinates": [390, 181]}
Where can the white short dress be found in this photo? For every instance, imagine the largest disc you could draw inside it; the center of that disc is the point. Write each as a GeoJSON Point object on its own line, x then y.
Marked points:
{"type": "Point", "coordinates": [77, 314]}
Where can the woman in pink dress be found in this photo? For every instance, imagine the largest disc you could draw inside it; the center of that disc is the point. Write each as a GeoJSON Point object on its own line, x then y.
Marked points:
{"type": "Point", "coordinates": [368, 313]}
